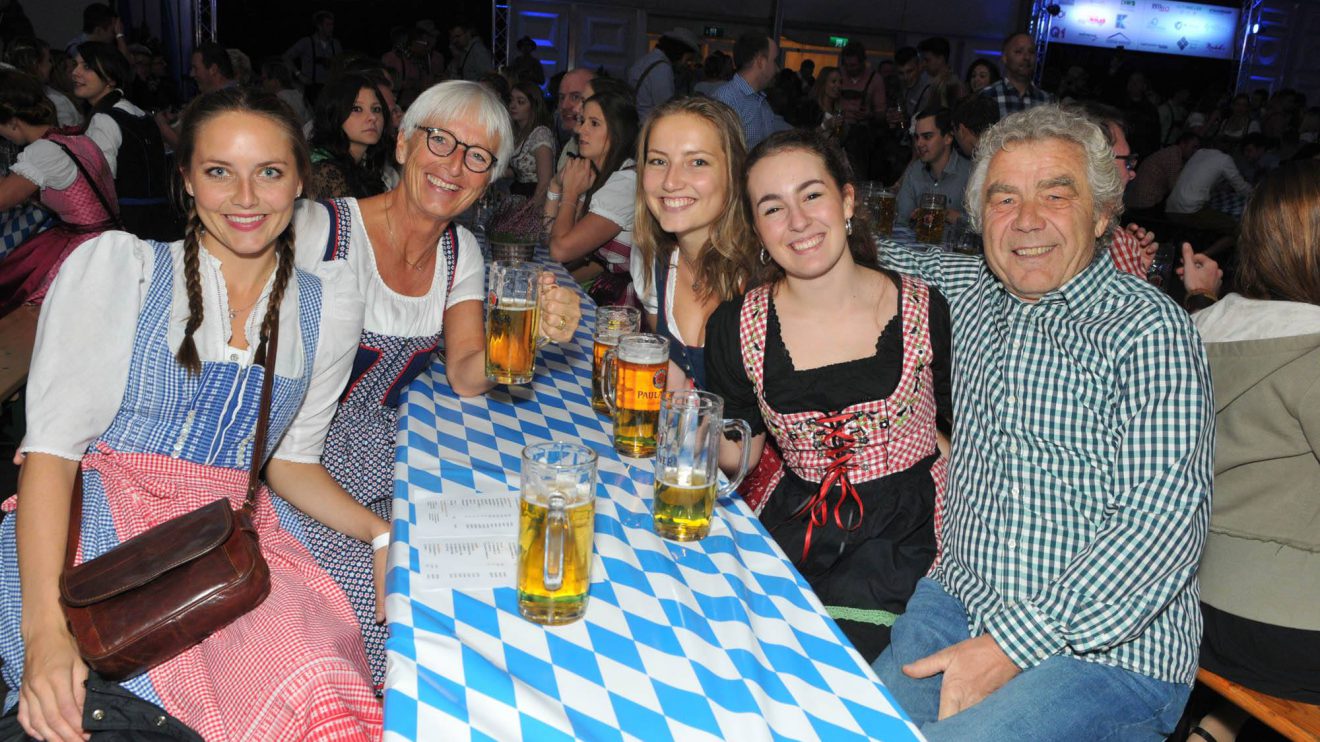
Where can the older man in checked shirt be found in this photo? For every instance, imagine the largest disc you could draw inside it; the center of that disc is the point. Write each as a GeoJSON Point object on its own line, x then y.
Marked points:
{"type": "Point", "coordinates": [1064, 603]}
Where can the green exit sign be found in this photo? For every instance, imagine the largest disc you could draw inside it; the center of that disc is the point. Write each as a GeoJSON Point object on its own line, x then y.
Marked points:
{"type": "Point", "coordinates": [839, 41]}
{"type": "Point", "coordinates": [713, 32]}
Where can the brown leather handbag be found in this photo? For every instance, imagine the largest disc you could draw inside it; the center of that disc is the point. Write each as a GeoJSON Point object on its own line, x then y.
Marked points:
{"type": "Point", "coordinates": [167, 589]}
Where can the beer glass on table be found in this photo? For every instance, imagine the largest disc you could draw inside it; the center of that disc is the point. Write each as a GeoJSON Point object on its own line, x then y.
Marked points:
{"type": "Point", "coordinates": [633, 379]}
{"type": "Point", "coordinates": [687, 462]}
{"type": "Point", "coordinates": [512, 317]}
{"type": "Point", "coordinates": [930, 218]}
{"type": "Point", "coordinates": [611, 324]}
{"type": "Point", "coordinates": [556, 525]}
{"type": "Point", "coordinates": [884, 205]}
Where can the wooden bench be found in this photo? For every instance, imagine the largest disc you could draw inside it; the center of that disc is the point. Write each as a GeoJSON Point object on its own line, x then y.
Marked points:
{"type": "Point", "coordinates": [18, 332]}
{"type": "Point", "coordinates": [1299, 722]}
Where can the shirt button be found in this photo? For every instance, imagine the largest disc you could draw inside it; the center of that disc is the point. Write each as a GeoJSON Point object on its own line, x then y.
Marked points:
{"type": "Point", "coordinates": [1012, 447]}
{"type": "Point", "coordinates": [1017, 343]}
{"type": "Point", "coordinates": [1015, 491]}
{"type": "Point", "coordinates": [1012, 543]}
{"type": "Point", "coordinates": [1012, 400]}
{"type": "Point", "coordinates": [233, 356]}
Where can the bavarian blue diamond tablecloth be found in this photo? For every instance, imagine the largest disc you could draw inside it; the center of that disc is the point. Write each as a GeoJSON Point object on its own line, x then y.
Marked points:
{"type": "Point", "coordinates": [716, 639]}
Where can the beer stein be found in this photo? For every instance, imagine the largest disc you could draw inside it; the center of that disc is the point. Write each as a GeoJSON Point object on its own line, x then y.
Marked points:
{"type": "Point", "coordinates": [884, 205]}
{"type": "Point", "coordinates": [633, 379]}
{"type": "Point", "coordinates": [512, 317]}
{"type": "Point", "coordinates": [930, 218]}
{"type": "Point", "coordinates": [611, 324]}
{"type": "Point", "coordinates": [556, 524]}
{"type": "Point", "coordinates": [687, 462]}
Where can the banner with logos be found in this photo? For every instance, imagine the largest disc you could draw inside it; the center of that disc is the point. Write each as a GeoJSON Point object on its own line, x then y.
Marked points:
{"type": "Point", "coordinates": [1164, 27]}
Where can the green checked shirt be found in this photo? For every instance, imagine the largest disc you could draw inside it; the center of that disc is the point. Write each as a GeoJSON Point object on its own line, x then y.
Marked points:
{"type": "Point", "coordinates": [1079, 492]}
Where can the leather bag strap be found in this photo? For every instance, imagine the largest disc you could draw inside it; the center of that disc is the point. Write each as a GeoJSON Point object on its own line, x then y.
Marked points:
{"type": "Point", "coordinates": [254, 468]}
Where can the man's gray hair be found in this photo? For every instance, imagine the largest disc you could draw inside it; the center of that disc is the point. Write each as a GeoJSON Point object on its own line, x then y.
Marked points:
{"type": "Point", "coordinates": [1052, 122]}
{"type": "Point", "coordinates": [456, 100]}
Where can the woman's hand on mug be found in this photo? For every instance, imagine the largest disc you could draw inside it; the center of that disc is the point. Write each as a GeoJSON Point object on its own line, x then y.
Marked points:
{"type": "Point", "coordinates": [561, 313]}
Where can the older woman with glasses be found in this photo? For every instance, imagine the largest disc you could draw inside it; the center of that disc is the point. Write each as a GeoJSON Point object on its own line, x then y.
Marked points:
{"type": "Point", "coordinates": [421, 276]}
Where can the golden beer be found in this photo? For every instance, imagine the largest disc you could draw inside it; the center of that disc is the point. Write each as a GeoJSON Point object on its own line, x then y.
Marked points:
{"type": "Point", "coordinates": [611, 324]}
{"type": "Point", "coordinates": [511, 341]}
{"type": "Point", "coordinates": [637, 405]}
{"type": "Point", "coordinates": [683, 504]}
{"type": "Point", "coordinates": [885, 207]}
{"type": "Point", "coordinates": [567, 602]}
{"type": "Point", "coordinates": [930, 226]}
{"type": "Point", "coordinates": [599, 349]}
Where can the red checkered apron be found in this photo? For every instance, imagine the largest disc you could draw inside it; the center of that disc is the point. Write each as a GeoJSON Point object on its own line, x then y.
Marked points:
{"type": "Point", "coordinates": [841, 448]}
{"type": "Point", "coordinates": [222, 688]}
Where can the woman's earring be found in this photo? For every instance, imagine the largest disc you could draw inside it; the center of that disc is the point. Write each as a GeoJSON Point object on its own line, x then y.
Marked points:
{"type": "Point", "coordinates": [847, 226]}
{"type": "Point", "coordinates": [765, 256]}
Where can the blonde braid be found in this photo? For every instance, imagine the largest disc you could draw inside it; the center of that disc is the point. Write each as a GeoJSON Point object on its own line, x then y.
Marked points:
{"type": "Point", "coordinates": [187, 354]}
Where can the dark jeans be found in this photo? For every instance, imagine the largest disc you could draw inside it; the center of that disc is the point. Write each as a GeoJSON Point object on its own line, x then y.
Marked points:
{"type": "Point", "coordinates": [112, 714]}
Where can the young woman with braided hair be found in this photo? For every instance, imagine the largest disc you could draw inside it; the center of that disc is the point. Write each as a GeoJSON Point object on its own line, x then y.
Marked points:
{"type": "Point", "coordinates": [147, 373]}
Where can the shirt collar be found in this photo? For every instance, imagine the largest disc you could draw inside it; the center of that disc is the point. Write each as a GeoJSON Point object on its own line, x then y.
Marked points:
{"type": "Point", "coordinates": [954, 165]}
{"type": "Point", "coordinates": [744, 87]}
{"type": "Point", "coordinates": [1083, 291]}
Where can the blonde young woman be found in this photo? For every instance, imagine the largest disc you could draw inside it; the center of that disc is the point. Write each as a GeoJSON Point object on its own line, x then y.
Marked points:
{"type": "Point", "coordinates": [693, 242]}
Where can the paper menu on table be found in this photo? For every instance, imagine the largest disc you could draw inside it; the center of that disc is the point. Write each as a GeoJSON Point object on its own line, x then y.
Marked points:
{"type": "Point", "coordinates": [468, 542]}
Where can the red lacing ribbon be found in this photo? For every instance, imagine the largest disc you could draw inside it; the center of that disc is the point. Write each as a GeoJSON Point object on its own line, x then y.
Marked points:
{"type": "Point", "coordinates": [839, 447]}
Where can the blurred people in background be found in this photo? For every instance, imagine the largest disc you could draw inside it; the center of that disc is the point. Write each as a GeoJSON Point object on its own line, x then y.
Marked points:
{"type": "Point", "coordinates": [349, 148]}
{"type": "Point", "coordinates": [944, 88]}
{"type": "Point", "coordinates": [277, 78]}
{"type": "Point", "coordinates": [1157, 174]}
{"type": "Point", "coordinates": [981, 74]}
{"type": "Point", "coordinates": [755, 55]}
{"type": "Point", "coordinates": [572, 93]}
{"type": "Point", "coordinates": [33, 57]}
{"type": "Point", "coordinates": [652, 76]}
{"type": "Point", "coordinates": [311, 56]}
{"type": "Point", "coordinates": [938, 168]}
{"type": "Point", "coordinates": [1018, 90]}
{"type": "Point", "coordinates": [716, 71]}
{"type": "Point", "coordinates": [533, 160]}
{"type": "Point", "coordinates": [592, 201]}
{"type": "Point", "coordinates": [130, 142]}
{"type": "Point", "coordinates": [471, 59]}
{"type": "Point", "coordinates": [526, 67]}
{"type": "Point", "coordinates": [971, 117]}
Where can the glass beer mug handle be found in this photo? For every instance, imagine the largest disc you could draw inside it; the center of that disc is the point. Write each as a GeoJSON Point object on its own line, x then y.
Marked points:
{"type": "Point", "coordinates": [746, 432]}
{"type": "Point", "coordinates": [556, 532]}
{"type": "Point", "coordinates": [608, 380]}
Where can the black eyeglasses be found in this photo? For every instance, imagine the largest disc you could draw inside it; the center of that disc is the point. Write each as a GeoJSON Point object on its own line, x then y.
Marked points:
{"type": "Point", "coordinates": [1129, 161]}
{"type": "Point", "coordinates": [442, 143]}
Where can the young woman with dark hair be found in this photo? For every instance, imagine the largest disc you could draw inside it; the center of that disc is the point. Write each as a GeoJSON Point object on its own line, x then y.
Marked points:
{"type": "Point", "coordinates": [350, 149]}
{"type": "Point", "coordinates": [846, 366]}
{"type": "Point", "coordinates": [146, 375]}
{"type": "Point", "coordinates": [33, 56]}
{"type": "Point", "coordinates": [533, 160]}
{"type": "Point", "coordinates": [591, 201]}
{"type": "Point", "coordinates": [130, 141]}
{"type": "Point", "coordinates": [71, 176]}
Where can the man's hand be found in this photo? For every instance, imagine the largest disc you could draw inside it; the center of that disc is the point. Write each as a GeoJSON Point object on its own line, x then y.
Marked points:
{"type": "Point", "coordinates": [973, 669]}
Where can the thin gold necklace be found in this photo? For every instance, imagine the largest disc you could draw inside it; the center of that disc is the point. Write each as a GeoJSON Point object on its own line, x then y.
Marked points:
{"type": "Point", "coordinates": [403, 253]}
